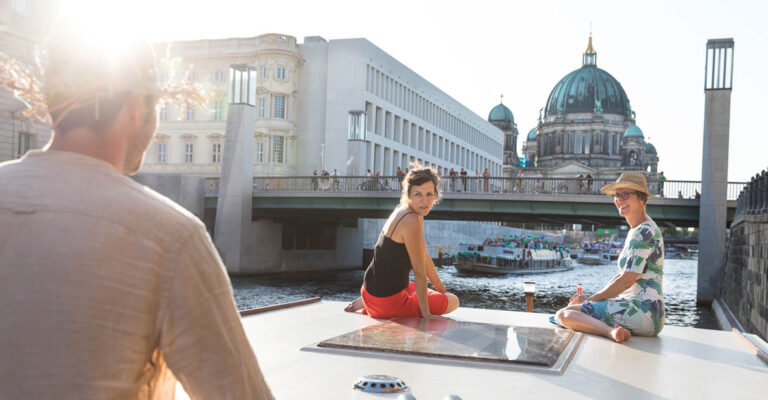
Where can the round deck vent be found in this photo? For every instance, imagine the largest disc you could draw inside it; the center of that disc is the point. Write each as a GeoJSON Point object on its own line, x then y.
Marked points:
{"type": "Point", "coordinates": [380, 384]}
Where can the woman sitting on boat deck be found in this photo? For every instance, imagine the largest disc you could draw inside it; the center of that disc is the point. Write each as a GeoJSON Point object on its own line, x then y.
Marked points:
{"type": "Point", "coordinates": [632, 302]}
{"type": "Point", "coordinates": [386, 291]}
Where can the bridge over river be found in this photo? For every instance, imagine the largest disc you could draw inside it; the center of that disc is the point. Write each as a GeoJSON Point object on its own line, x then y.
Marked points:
{"type": "Point", "coordinates": [556, 201]}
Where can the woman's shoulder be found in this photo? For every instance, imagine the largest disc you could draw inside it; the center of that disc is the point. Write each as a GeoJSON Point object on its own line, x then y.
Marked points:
{"type": "Point", "coordinates": [408, 216]}
{"type": "Point", "coordinates": [402, 214]}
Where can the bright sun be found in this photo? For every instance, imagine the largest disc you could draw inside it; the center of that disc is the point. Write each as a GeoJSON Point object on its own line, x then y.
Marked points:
{"type": "Point", "coordinates": [108, 24]}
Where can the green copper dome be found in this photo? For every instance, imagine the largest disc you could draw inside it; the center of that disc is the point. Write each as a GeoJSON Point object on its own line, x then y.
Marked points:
{"type": "Point", "coordinates": [501, 113]}
{"type": "Point", "coordinates": [650, 149]}
{"type": "Point", "coordinates": [532, 134]}
{"type": "Point", "coordinates": [588, 90]}
{"type": "Point", "coordinates": [633, 131]}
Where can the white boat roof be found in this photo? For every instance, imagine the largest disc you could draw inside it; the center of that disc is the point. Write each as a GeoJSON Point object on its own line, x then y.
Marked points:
{"type": "Point", "coordinates": [680, 363]}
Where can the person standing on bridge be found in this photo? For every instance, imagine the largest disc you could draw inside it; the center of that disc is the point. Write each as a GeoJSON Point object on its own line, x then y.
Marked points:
{"type": "Point", "coordinates": [632, 303]}
{"type": "Point", "coordinates": [386, 291]}
{"type": "Point", "coordinates": [108, 288]}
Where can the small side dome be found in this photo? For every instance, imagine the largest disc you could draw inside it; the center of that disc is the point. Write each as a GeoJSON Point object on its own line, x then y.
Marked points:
{"type": "Point", "coordinates": [501, 113]}
{"type": "Point", "coordinates": [633, 131]}
{"type": "Point", "coordinates": [650, 149]}
{"type": "Point", "coordinates": [532, 134]}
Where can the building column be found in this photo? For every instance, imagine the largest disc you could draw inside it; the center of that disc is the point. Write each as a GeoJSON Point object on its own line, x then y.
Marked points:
{"type": "Point", "coordinates": [235, 197]}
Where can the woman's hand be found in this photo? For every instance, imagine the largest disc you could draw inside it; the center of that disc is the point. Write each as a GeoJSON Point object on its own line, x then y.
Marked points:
{"type": "Point", "coordinates": [577, 299]}
{"type": "Point", "coordinates": [439, 287]}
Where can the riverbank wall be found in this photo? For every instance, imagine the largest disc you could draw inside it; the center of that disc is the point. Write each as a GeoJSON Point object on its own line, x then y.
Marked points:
{"type": "Point", "coordinates": [744, 284]}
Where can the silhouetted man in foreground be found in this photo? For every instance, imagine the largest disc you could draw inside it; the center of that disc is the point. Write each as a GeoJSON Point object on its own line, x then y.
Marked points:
{"type": "Point", "coordinates": [108, 288]}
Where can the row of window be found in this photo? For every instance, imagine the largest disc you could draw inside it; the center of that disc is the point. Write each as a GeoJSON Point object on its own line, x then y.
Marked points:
{"type": "Point", "coordinates": [278, 107]}
{"type": "Point", "coordinates": [400, 130]}
{"type": "Point", "coordinates": [189, 111]}
{"type": "Point", "coordinates": [188, 157]}
{"type": "Point", "coordinates": [579, 143]}
{"type": "Point", "coordinates": [220, 75]}
{"type": "Point", "coordinates": [386, 160]}
{"type": "Point", "coordinates": [394, 92]}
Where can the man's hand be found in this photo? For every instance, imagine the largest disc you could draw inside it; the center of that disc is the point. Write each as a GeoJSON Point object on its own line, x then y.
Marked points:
{"type": "Point", "coordinates": [577, 299]}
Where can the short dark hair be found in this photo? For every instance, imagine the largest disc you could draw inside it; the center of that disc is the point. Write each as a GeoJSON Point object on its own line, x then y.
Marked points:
{"type": "Point", "coordinates": [641, 196]}
{"type": "Point", "coordinates": [417, 176]}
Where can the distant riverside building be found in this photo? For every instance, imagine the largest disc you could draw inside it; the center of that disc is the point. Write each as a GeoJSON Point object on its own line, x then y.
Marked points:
{"type": "Point", "coordinates": [339, 104]}
{"type": "Point", "coordinates": [25, 24]}
{"type": "Point", "coordinates": [587, 127]}
{"type": "Point", "coordinates": [190, 138]}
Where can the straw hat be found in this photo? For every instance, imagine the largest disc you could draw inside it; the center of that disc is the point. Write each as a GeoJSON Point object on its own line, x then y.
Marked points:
{"type": "Point", "coordinates": [628, 180]}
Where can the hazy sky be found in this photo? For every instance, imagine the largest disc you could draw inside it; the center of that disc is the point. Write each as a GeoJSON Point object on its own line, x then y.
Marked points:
{"type": "Point", "coordinates": [476, 50]}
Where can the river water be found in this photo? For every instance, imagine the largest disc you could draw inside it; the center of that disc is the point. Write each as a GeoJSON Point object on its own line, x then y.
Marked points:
{"type": "Point", "coordinates": [483, 291]}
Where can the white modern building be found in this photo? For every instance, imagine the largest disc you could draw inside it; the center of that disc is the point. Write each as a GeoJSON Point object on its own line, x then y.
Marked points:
{"type": "Point", "coordinates": [389, 115]}
{"type": "Point", "coordinates": [24, 24]}
{"type": "Point", "coordinates": [338, 104]}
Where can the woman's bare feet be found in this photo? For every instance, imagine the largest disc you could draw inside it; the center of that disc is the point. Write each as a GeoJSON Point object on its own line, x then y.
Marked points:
{"type": "Point", "coordinates": [619, 334]}
{"type": "Point", "coordinates": [356, 305]}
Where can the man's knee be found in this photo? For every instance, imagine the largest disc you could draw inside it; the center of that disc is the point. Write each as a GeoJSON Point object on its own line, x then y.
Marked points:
{"type": "Point", "coordinates": [560, 314]}
{"type": "Point", "coordinates": [565, 311]}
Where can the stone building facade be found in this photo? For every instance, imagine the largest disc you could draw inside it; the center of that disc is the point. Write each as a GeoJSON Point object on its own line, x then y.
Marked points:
{"type": "Point", "coordinates": [588, 127]}
{"type": "Point", "coordinates": [340, 104]}
{"type": "Point", "coordinates": [190, 139]}
{"type": "Point", "coordinates": [25, 24]}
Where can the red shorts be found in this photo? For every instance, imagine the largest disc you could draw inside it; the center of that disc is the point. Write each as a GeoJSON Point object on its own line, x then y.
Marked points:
{"type": "Point", "coordinates": [404, 303]}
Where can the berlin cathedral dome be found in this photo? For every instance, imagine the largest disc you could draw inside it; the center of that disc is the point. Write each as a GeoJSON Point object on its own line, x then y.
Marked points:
{"type": "Point", "coordinates": [588, 89]}
{"type": "Point", "coordinates": [587, 128]}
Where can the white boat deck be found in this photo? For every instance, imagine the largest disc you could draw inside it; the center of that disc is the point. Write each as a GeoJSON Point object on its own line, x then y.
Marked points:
{"type": "Point", "coordinates": [680, 363]}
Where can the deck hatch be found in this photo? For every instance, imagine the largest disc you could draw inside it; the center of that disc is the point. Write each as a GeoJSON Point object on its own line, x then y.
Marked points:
{"type": "Point", "coordinates": [459, 340]}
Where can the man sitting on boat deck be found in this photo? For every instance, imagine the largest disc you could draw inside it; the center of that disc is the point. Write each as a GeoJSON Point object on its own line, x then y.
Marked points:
{"type": "Point", "coordinates": [632, 302]}
{"type": "Point", "coordinates": [108, 288]}
{"type": "Point", "coordinates": [386, 291]}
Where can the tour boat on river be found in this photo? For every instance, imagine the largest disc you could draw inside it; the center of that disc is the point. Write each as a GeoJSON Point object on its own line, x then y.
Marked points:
{"type": "Point", "coordinates": [591, 256]}
{"type": "Point", "coordinates": [501, 259]}
{"type": "Point", "coordinates": [611, 251]}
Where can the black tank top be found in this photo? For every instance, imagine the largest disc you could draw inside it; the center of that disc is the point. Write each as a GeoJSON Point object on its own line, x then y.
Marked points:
{"type": "Point", "coordinates": [389, 270]}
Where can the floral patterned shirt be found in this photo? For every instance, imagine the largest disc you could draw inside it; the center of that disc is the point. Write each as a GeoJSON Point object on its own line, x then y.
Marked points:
{"type": "Point", "coordinates": [643, 253]}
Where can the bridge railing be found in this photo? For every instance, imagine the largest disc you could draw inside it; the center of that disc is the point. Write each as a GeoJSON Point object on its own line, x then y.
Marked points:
{"type": "Point", "coordinates": [473, 185]}
{"type": "Point", "coordinates": [753, 198]}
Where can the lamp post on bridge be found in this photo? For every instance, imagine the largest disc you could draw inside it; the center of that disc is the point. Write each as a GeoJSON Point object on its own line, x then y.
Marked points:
{"type": "Point", "coordinates": [718, 77]}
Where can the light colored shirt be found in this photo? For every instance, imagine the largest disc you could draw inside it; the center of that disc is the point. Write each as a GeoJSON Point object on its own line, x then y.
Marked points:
{"type": "Point", "coordinates": [643, 253]}
{"type": "Point", "coordinates": [108, 290]}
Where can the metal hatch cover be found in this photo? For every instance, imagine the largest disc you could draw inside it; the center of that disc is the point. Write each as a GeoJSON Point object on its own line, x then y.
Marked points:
{"type": "Point", "coordinates": [465, 343]}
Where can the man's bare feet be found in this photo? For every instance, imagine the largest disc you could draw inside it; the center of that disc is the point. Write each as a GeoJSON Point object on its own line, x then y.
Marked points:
{"type": "Point", "coordinates": [620, 334]}
{"type": "Point", "coordinates": [356, 305]}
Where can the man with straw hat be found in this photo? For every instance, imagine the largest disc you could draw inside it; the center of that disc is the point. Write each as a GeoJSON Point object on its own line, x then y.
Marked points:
{"type": "Point", "coordinates": [108, 288]}
{"type": "Point", "coordinates": [632, 303]}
